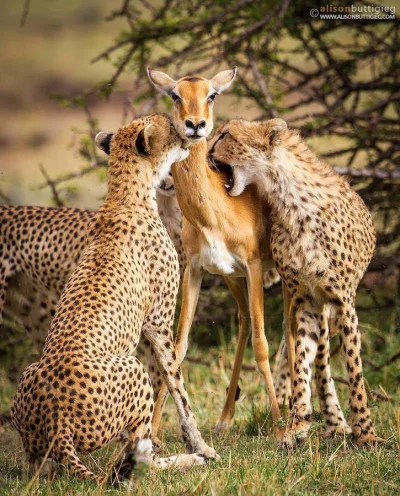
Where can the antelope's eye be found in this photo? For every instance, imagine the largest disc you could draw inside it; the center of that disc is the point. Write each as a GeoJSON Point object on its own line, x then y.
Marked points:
{"type": "Point", "coordinates": [175, 97]}
{"type": "Point", "coordinates": [211, 98]}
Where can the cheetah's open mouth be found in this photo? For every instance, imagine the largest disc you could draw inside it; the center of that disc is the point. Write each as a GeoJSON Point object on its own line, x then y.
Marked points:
{"type": "Point", "coordinates": [224, 169]}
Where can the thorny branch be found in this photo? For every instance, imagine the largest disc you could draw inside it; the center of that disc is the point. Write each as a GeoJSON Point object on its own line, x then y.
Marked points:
{"type": "Point", "coordinates": [25, 12]}
{"type": "Point", "coordinates": [51, 184]}
{"type": "Point", "coordinates": [335, 81]}
{"type": "Point", "coordinates": [5, 197]}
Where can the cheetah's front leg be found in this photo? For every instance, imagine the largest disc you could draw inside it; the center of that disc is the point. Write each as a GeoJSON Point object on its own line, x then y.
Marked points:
{"type": "Point", "coordinates": [152, 367]}
{"type": "Point", "coordinates": [190, 294]}
{"type": "Point", "coordinates": [165, 355]}
{"type": "Point", "coordinates": [335, 423]}
{"type": "Point", "coordinates": [281, 375]}
{"type": "Point", "coordinates": [307, 323]}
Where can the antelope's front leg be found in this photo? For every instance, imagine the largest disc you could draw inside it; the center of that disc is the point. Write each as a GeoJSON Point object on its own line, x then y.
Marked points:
{"type": "Point", "coordinates": [259, 341]}
{"type": "Point", "coordinates": [190, 295]}
{"type": "Point", "coordinates": [166, 357]}
{"type": "Point", "coordinates": [238, 290]}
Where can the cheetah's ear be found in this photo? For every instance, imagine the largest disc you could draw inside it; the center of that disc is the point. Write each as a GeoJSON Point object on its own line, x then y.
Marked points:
{"type": "Point", "coordinates": [144, 138]}
{"type": "Point", "coordinates": [274, 128]}
{"type": "Point", "coordinates": [248, 133]}
{"type": "Point", "coordinates": [103, 141]}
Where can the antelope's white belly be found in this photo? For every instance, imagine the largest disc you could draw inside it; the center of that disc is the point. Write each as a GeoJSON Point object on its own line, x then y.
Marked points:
{"type": "Point", "coordinates": [217, 259]}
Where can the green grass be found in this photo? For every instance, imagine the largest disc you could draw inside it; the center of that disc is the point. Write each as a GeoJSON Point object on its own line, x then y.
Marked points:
{"type": "Point", "coordinates": [251, 462]}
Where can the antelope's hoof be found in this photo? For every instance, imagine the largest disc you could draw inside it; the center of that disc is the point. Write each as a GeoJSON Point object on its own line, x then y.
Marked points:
{"type": "Point", "coordinates": [221, 427]}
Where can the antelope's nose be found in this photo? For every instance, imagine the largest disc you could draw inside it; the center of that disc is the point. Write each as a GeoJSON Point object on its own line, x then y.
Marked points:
{"type": "Point", "coordinates": [191, 125]}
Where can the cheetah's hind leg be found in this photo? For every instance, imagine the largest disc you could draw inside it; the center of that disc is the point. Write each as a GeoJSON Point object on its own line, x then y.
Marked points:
{"type": "Point", "coordinates": [361, 426]}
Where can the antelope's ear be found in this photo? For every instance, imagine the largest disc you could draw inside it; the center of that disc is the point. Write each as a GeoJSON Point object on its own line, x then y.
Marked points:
{"type": "Point", "coordinates": [274, 128]}
{"type": "Point", "coordinates": [161, 81]}
{"type": "Point", "coordinates": [103, 141]}
{"type": "Point", "coordinates": [223, 80]}
{"type": "Point", "coordinates": [145, 138]}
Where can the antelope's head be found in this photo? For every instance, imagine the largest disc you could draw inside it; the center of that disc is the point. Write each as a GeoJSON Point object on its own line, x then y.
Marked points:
{"type": "Point", "coordinates": [193, 98]}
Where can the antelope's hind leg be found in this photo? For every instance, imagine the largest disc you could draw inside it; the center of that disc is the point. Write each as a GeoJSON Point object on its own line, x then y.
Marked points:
{"type": "Point", "coordinates": [260, 343]}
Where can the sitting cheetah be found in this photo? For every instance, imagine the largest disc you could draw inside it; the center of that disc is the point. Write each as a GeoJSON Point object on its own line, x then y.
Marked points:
{"type": "Point", "coordinates": [322, 241]}
{"type": "Point", "coordinates": [39, 249]}
{"type": "Point", "coordinates": [87, 388]}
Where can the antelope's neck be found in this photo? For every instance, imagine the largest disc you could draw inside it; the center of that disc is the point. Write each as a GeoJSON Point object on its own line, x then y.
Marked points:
{"type": "Point", "coordinates": [194, 189]}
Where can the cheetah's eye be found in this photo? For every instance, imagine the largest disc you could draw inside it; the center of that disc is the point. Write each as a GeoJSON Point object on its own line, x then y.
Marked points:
{"type": "Point", "coordinates": [175, 97]}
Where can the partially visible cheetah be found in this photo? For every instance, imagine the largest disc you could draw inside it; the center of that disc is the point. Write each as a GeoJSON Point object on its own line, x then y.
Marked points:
{"type": "Point", "coordinates": [322, 241]}
{"type": "Point", "coordinates": [87, 388]}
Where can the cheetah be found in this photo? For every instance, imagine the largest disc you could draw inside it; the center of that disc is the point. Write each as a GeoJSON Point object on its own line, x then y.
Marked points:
{"type": "Point", "coordinates": [40, 247]}
{"type": "Point", "coordinates": [87, 387]}
{"type": "Point", "coordinates": [322, 241]}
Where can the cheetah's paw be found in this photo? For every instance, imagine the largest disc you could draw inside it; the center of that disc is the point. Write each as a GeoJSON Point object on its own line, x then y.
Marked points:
{"type": "Point", "coordinates": [337, 431]}
{"type": "Point", "coordinates": [366, 440]}
{"type": "Point", "coordinates": [209, 453]}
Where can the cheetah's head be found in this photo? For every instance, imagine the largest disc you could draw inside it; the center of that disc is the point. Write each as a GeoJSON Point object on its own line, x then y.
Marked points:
{"type": "Point", "coordinates": [148, 141]}
{"type": "Point", "coordinates": [240, 145]}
